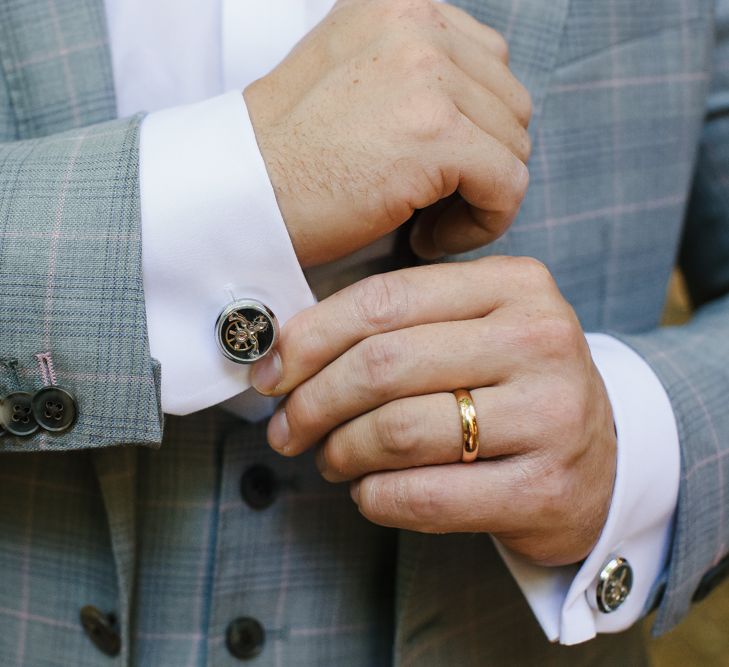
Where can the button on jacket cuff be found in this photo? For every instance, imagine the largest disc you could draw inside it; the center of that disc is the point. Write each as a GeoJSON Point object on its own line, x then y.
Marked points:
{"type": "Point", "coordinates": [640, 520]}
{"type": "Point", "coordinates": [211, 230]}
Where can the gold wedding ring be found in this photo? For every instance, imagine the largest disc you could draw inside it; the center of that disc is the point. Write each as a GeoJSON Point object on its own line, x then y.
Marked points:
{"type": "Point", "coordinates": [469, 425]}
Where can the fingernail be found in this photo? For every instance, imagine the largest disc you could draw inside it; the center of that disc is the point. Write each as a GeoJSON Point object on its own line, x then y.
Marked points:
{"type": "Point", "coordinates": [278, 431]}
{"type": "Point", "coordinates": [266, 374]}
{"type": "Point", "coordinates": [354, 490]}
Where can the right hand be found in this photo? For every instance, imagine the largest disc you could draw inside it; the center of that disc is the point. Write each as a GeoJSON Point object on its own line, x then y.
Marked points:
{"type": "Point", "coordinates": [386, 107]}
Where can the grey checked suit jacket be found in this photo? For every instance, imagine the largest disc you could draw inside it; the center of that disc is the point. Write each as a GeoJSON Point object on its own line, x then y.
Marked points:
{"type": "Point", "coordinates": [630, 171]}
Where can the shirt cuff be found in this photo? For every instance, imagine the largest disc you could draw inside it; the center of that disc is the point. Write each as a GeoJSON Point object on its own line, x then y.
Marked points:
{"type": "Point", "coordinates": [640, 519]}
{"type": "Point", "coordinates": [211, 231]}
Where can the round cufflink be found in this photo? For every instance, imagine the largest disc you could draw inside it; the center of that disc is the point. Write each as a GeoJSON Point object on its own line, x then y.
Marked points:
{"type": "Point", "coordinates": [16, 414]}
{"type": "Point", "coordinates": [614, 584]}
{"type": "Point", "coordinates": [246, 330]}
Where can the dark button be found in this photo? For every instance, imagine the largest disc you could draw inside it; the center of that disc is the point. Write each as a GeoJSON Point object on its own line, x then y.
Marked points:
{"type": "Point", "coordinates": [258, 487]}
{"type": "Point", "coordinates": [712, 579]}
{"type": "Point", "coordinates": [245, 638]}
{"type": "Point", "coordinates": [101, 629]}
{"type": "Point", "coordinates": [54, 409]}
{"type": "Point", "coordinates": [16, 414]}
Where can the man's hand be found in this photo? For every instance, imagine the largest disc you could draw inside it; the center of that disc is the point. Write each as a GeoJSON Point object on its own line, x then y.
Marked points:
{"type": "Point", "coordinates": [370, 371]}
{"type": "Point", "coordinates": [386, 107]}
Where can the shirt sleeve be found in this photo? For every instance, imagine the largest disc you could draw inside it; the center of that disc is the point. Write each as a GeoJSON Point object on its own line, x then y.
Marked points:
{"type": "Point", "coordinates": [640, 520]}
{"type": "Point", "coordinates": [211, 232]}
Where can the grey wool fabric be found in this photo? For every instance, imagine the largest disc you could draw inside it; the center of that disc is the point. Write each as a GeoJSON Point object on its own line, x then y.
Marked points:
{"type": "Point", "coordinates": [630, 170]}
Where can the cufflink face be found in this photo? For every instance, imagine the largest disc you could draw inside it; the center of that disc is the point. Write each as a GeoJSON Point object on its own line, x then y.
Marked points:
{"type": "Point", "coordinates": [246, 331]}
{"type": "Point", "coordinates": [614, 585]}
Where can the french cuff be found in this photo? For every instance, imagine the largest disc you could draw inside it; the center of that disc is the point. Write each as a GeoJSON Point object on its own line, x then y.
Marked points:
{"type": "Point", "coordinates": [212, 232]}
{"type": "Point", "coordinates": [640, 520]}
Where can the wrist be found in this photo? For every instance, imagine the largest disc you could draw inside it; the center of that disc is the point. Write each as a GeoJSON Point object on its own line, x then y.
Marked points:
{"type": "Point", "coordinates": [258, 98]}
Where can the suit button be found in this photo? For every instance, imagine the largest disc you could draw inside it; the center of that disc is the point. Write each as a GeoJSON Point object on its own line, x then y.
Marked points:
{"type": "Point", "coordinates": [245, 638]}
{"type": "Point", "coordinates": [258, 487]}
{"type": "Point", "coordinates": [54, 409]}
{"type": "Point", "coordinates": [16, 414]}
{"type": "Point", "coordinates": [101, 630]}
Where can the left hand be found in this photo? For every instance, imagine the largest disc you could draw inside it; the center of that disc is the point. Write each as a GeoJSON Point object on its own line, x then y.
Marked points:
{"type": "Point", "coordinates": [370, 373]}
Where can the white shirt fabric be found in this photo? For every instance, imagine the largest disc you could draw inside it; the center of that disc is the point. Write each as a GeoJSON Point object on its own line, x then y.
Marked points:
{"type": "Point", "coordinates": [212, 231]}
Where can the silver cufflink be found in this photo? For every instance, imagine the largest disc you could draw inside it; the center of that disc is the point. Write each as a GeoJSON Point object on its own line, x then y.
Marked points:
{"type": "Point", "coordinates": [614, 584]}
{"type": "Point", "coordinates": [246, 330]}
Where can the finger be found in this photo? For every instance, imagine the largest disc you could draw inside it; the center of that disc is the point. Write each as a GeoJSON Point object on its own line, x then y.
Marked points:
{"type": "Point", "coordinates": [420, 360]}
{"type": "Point", "coordinates": [422, 430]}
{"type": "Point", "coordinates": [491, 179]}
{"type": "Point", "coordinates": [387, 302]}
{"type": "Point", "coordinates": [483, 496]}
{"type": "Point", "coordinates": [479, 32]}
{"type": "Point", "coordinates": [450, 230]}
{"type": "Point", "coordinates": [488, 112]}
{"type": "Point", "coordinates": [421, 231]}
{"type": "Point", "coordinates": [478, 63]}
{"type": "Point", "coordinates": [491, 194]}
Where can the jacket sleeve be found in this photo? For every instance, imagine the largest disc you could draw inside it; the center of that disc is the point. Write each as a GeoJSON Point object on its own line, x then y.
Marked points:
{"type": "Point", "coordinates": [692, 362]}
{"type": "Point", "coordinates": [71, 284]}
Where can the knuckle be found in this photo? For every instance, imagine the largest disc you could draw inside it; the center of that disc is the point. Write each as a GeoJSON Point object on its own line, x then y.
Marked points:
{"type": "Point", "coordinates": [513, 182]}
{"type": "Point", "coordinates": [525, 148]}
{"type": "Point", "coordinates": [414, 186]}
{"type": "Point", "coordinates": [573, 415]}
{"type": "Point", "coordinates": [518, 184]}
{"type": "Point", "coordinates": [420, 58]}
{"type": "Point", "coordinates": [551, 494]}
{"type": "Point", "coordinates": [561, 411]}
{"type": "Point", "coordinates": [521, 102]}
{"type": "Point", "coordinates": [397, 431]}
{"type": "Point", "coordinates": [561, 336]}
{"type": "Point", "coordinates": [499, 45]}
{"type": "Point", "coordinates": [375, 499]}
{"type": "Point", "coordinates": [379, 357]}
{"type": "Point", "coordinates": [423, 504]}
{"type": "Point", "coordinates": [393, 500]}
{"type": "Point", "coordinates": [335, 458]}
{"type": "Point", "coordinates": [302, 337]}
{"type": "Point", "coordinates": [532, 271]}
{"type": "Point", "coordinates": [298, 410]}
{"type": "Point", "coordinates": [381, 301]}
{"type": "Point", "coordinates": [526, 272]}
{"type": "Point", "coordinates": [433, 118]}
{"type": "Point", "coordinates": [548, 337]}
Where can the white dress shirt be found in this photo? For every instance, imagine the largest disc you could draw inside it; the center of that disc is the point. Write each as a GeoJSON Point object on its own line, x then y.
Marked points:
{"type": "Point", "coordinates": [212, 231]}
